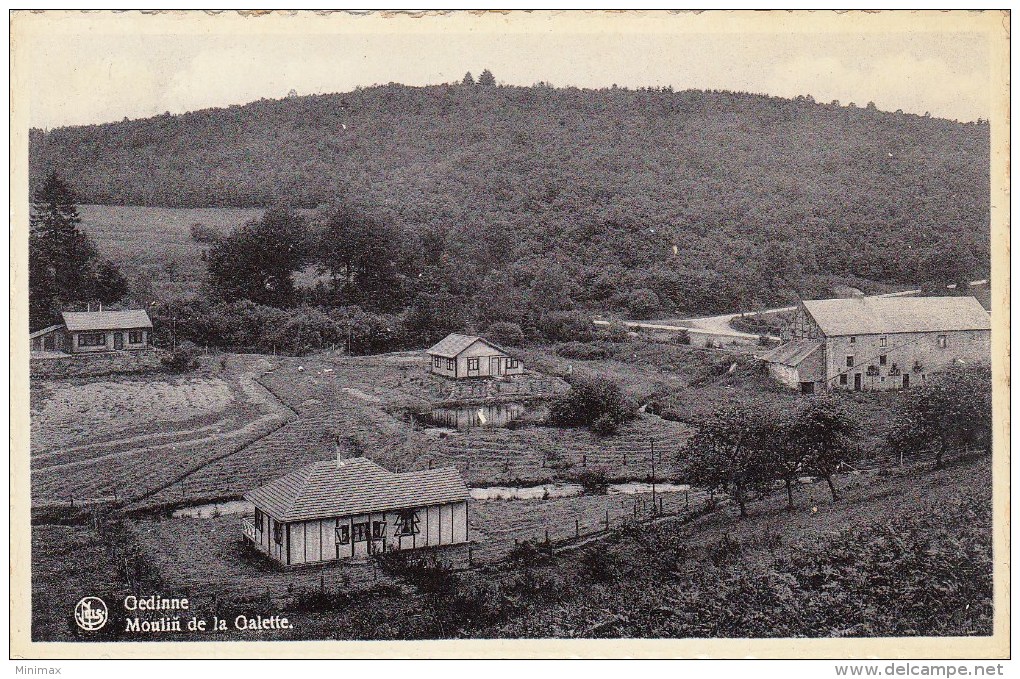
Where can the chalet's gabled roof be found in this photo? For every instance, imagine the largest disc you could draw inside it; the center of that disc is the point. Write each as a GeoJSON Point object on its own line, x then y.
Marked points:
{"type": "Point", "coordinates": [889, 315]}
{"type": "Point", "coordinates": [792, 353]}
{"type": "Point", "coordinates": [354, 486]}
{"type": "Point", "coordinates": [106, 320]}
{"type": "Point", "coordinates": [453, 344]}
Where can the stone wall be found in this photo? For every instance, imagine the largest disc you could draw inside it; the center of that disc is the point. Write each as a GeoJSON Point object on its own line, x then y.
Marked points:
{"type": "Point", "coordinates": [93, 365]}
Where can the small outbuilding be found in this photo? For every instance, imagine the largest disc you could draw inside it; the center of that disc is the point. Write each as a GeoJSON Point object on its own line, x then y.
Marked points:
{"type": "Point", "coordinates": [460, 356]}
{"type": "Point", "coordinates": [353, 508]}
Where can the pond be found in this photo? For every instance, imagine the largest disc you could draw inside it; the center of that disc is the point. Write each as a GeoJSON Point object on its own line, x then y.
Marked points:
{"type": "Point", "coordinates": [467, 417]}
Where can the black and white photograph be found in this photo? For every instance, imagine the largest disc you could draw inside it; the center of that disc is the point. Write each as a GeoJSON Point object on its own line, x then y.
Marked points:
{"type": "Point", "coordinates": [559, 330]}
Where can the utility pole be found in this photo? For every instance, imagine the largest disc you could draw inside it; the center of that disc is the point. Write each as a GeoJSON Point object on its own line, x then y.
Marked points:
{"type": "Point", "coordinates": [652, 441]}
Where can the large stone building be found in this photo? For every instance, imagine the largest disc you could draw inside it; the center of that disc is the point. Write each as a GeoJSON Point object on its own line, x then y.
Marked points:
{"type": "Point", "coordinates": [878, 343]}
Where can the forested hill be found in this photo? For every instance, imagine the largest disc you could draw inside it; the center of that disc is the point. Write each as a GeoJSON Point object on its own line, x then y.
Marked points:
{"type": "Point", "coordinates": [707, 199]}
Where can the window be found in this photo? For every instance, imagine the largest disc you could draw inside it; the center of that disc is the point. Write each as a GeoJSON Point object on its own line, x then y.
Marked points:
{"type": "Point", "coordinates": [343, 534]}
{"type": "Point", "coordinates": [361, 532]}
{"type": "Point", "coordinates": [278, 532]}
{"type": "Point", "coordinates": [135, 337]}
{"type": "Point", "coordinates": [849, 361]}
{"type": "Point", "coordinates": [842, 380]}
{"type": "Point", "coordinates": [883, 341]}
{"type": "Point", "coordinates": [451, 364]}
{"type": "Point", "coordinates": [513, 363]}
{"type": "Point", "coordinates": [259, 516]}
{"type": "Point", "coordinates": [853, 340]}
{"type": "Point", "coordinates": [92, 339]}
{"type": "Point", "coordinates": [436, 362]}
{"type": "Point", "coordinates": [942, 342]}
{"type": "Point", "coordinates": [407, 523]}
{"type": "Point", "coordinates": [472, 364]}
{"type": "Point", "coordinates": [882, 359]}
{"type": "Point", "coordinates": [378, 530]}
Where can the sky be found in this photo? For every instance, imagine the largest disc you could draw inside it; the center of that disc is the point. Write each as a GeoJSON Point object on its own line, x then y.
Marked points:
{"type": "Point", "coordinates": [106, 67]}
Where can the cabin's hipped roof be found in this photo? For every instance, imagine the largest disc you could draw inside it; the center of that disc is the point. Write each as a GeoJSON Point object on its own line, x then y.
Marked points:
{"type": "Point", "coordinates": [106, 320]}
{"type": "Point", "coordinates": [453, 344]}
{"type": "Point", "coordinates": [354, 486]}
{"type": "Point", "coordinates": [889, 315]}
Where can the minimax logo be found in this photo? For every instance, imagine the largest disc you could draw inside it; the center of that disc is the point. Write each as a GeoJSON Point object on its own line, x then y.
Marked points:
{"type": "Point", "coordinates": [91, 614]}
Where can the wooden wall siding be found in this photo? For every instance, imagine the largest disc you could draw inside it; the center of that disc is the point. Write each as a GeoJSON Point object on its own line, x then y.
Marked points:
{"type": "Point", "coordinates": [315, 541]}
{"type": "Point", "coordinates": [74, 348]}
{"type": "Point", "coordinates": [59, 338]}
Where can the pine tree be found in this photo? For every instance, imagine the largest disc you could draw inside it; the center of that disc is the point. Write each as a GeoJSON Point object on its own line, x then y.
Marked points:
{"type": "Point", "coordinates": [486, 79]}
{"type": "Point", "coordinates": [468, 79]}
{"type": "Point", "coordinates": [64, 267]}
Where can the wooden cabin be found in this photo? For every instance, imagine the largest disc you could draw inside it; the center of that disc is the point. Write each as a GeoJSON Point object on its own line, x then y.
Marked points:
{"type": "Point", "coordinates": [88, 332]}
{"type": "Point", "coordinates": [878, 343]}
{"type": "Point", "coordinates": [459, 356]}
{"type": "Point", "coordinates": [353, 508]}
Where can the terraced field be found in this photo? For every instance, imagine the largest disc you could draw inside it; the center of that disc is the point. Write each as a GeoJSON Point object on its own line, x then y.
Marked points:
{"type": "Point", "coordinates": [126, 439]}
{"type": "Point", "coordinates": [536, 453]}
{"type": "Point", "coordinates": [216, 434]}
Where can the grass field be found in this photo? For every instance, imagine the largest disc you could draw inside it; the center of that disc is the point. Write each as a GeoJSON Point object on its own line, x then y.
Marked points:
{"type": "Point", "coordinates": [153, 246]}
{"type": "Point", "coordinates": [68, 563]}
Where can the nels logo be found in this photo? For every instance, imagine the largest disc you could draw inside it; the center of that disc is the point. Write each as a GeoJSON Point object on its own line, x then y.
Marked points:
{"type": "Point", "coordinates": [91, 613]}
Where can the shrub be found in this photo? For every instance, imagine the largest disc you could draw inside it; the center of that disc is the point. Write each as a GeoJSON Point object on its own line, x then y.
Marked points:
{"type": "Point", "coordinates": [683, 337]}
{"type": "Point", "coordinates": [640, 303]}
{"type": "Point", "coordinates": [584, 351]}
{"type": "Point", "coordinates": [182, 359]}
{"type": "Point", "coordinates": [592, 401]}
{"type": "Point", "coordinates": [599, 565]}
{"type": "Point", "coordinates": [507, 334]}
{"type": "Point", "coordinates": [615, 332]}
{"type": "Point", "coordinates": [594, 480]}
{"type": "Point", "coordinates": [202, 233]}
{"type": "Point", "coordinates": [566, 326]}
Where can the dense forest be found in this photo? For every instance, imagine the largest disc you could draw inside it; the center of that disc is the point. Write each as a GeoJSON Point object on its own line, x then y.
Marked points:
{"type": "Point", "coordinates": [496, 203]}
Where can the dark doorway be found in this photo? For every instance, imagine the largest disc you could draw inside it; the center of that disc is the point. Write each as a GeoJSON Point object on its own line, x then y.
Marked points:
{"type": "Point", "coordinates": [906, 381]}
{"type": "Point", "coordinates": [118, 340]}
{"type": "Point", "coordinates": [807, 387]}
{"type": "Point", "coordinates": [857, 381]}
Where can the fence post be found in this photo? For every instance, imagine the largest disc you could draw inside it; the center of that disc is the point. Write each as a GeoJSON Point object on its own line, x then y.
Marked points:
{"type": "Point", "coordinates": [471, 556]}
{"type": "Point", "coordinates": [584, 459]}
{"type": "Point", "coordinates": [660, 504]}
{"type": "Point", "coordinates": [635, 506]}
{"type": "Point", "coordinates": [577, 528]}
{"type": "Point", "coordinates": [607, 519]}
{"type": "Point", "coordinates": [687, 499]}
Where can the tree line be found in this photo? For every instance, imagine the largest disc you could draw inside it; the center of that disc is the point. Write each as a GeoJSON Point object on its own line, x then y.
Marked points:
{"type": "Point", "coordinates": [642, 202]}
{"type": "Point", "coordinates": [754, 446]}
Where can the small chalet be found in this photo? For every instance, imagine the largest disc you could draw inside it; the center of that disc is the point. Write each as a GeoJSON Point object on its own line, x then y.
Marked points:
{"type": "Point", "coordinates": [353, 508]}
{"type": "Point", "coordinates": [878, 343]}
{"type": "Point", "coordinates": [460, 356]}
{"type": "Point", "coordinates": [84, 332]}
